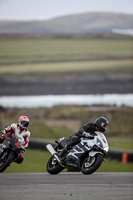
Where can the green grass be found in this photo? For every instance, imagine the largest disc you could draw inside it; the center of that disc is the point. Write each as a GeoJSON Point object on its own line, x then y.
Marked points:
{"type": "Point", "coordinates": [41, 130]}
{"type": "Point", "coordinates": [115, 166]}
{"type": "Point", "coordinates": [36, 50]}
{"type": "Point", "coordinates": [67, 66]}
{"type": "Point", "coordinates": [35, 161]}
{"type": "Point", "coordinates": [41, 55]}
{"type": "Point", "coordinates": [39, 46]}
{"type": "Point", "coordinates": [120, 143]}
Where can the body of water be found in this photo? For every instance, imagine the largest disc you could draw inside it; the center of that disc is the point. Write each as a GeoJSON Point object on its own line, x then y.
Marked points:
{"type": "Point", "coordinates": [53, 100]}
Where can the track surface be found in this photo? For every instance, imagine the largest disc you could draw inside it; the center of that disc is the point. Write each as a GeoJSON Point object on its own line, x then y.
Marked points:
{"type": "Point", "coordinates": [65, 186]}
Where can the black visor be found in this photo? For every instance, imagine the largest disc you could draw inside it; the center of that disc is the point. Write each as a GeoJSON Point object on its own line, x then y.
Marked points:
{"type": "Point", "coordinates": [24, 123]}
{"type": "Point", "coordinates": [105, 126]}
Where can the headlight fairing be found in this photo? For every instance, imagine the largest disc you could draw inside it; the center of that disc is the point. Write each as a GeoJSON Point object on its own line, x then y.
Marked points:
{"type": "Point", "coordinates": [106, 149]}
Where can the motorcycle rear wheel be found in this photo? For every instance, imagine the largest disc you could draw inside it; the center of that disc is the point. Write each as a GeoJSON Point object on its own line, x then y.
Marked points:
{"type": "Point", "coordinates": [91, 164]}
{"type": "Point", "coordinates": [8, 159]}
{"type": "Point", "coordinates": [53, 167]}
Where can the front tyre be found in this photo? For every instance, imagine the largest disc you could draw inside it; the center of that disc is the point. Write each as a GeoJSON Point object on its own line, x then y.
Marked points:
{"type": "Point", "coordinates": [91, 164]}
{"type": "Point", "coordinates": [53, 167]}
{"type": "Point", "coordinates": [6, 160]}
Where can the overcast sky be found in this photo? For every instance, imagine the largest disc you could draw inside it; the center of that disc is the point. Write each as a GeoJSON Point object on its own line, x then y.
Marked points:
{"type": "Point", "coordinates": [47, 9]}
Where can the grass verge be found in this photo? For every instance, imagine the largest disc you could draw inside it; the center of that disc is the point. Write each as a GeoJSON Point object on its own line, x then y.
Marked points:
{"type": "Point", "coordinates": [35, 161]}
{"type": "Point", "coordinates": [66, 66]}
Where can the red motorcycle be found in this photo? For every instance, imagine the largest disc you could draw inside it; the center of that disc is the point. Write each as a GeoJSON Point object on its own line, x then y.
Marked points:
{"type": "Point", "coordinates": [10, 150]}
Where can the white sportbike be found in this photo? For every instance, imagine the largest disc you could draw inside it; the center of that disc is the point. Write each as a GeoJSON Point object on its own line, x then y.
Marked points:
{"type": "Point", "coordinates": [86, 156]}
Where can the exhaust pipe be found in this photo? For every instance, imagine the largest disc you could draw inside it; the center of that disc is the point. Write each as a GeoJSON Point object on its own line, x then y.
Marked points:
{"type": "Point", "coordinates": [51, 149]}
{"type": "Point", "coordinates": [53, 153]}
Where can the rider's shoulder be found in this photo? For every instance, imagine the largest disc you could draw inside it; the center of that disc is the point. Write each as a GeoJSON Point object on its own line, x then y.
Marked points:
{"type": "Point", "coordinates": [89, 124]}
{"type": "Point", "coordinates": [14, 125]}
{"type": "Point", "coordinates": [28, 133]}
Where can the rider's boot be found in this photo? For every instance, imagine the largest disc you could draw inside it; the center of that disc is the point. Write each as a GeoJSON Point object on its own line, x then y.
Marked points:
{"type": "Point", "coordinates": [75, 140]}
{"type": "Point", "coordinates": [61, 154]}
{"type": "Point", "coordinates": [19, 159]}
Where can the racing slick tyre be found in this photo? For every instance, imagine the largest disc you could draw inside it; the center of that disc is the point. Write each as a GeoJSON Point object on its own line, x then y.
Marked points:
{"type": "Point", "coordinates": [53, 167]}
{"type": "Point", "coordinates": [91, 164]}
{"type": "Point", "coordinates": [5, 160]}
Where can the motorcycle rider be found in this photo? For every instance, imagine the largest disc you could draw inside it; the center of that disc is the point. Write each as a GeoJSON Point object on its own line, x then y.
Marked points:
{"type": "Point", "coordinates": [19, 128]}
{"type": "Point", "coordinates": [87, 130]}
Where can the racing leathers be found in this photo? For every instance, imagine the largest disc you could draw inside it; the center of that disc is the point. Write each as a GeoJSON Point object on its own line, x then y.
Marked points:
{"type": "Point", "coordinates": [87, 130]}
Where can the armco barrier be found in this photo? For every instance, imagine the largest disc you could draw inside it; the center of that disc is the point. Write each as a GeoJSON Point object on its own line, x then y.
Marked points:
{"type": "Point", "coordinates": [39, 144]}
{"type": "Point", "coordinates": [122, 156]}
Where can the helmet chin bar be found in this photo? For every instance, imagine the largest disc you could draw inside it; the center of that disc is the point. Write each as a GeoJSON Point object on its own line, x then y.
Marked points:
{"type": "Point", "coordinates": [22, 128]}
{"type": "Point", "coordinates": [97, 128]}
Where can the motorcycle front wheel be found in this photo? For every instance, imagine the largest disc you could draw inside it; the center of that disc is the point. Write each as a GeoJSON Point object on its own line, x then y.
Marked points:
{"type": "Point", "coordinates": [5, 160]}
{"type": "Point", "coordinates": [91, 164]}
{"type": "Point", "coordinates": [53, 167]}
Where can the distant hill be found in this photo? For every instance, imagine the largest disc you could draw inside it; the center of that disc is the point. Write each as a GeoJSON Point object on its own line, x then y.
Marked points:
{"type": "Point", "coordinates": [95, 23]}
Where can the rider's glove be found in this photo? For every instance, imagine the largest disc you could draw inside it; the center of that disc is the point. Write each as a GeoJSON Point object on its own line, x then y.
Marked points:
{"type": "Point", "coordinates": [3, 134]}
{"type": "Point", "coordinates": [88, 135]}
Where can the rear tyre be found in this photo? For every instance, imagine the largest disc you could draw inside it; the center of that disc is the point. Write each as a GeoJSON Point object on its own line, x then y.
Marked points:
{"type": "Point", "coordinates": [5, 160]}
{"type": "Point", "coordinates": [91, 164]}
{"type": "Point", "coordinates": [53, 167]}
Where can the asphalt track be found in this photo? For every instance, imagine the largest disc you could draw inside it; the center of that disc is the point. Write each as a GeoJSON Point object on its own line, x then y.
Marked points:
{"type": "Point", "coordinates": [65, 186]}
